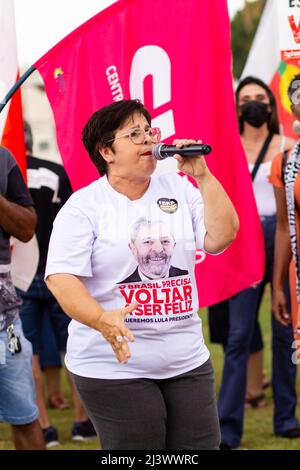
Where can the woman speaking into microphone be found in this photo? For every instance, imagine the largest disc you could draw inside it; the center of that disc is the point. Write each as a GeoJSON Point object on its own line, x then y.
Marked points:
{"type": "Point", "coordinates": [121, 264]}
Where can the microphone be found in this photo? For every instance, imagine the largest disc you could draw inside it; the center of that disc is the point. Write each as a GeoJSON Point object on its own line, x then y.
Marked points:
{"type": "Point", "coordinates": [161, 151]}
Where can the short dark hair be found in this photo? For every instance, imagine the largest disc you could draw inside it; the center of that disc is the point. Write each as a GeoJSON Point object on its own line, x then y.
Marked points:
{"type": "Point", "coordinates": [273, 122]}
{"type": "Point", "coordinates": [28, 136]}
{"type": "Point", "coordinates": [293, 86]}
{"type": "Point", "coordinates": [102, 125]}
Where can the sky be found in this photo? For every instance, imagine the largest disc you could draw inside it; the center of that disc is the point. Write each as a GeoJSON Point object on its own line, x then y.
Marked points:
{"type": "Point", "coordinates": [40, 24]}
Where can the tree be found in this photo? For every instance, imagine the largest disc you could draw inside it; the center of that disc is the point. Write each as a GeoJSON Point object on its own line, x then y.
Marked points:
{"type": "Point", "coordinates": [243, 29]}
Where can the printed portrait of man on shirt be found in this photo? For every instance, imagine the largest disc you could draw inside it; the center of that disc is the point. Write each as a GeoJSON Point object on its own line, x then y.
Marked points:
{"type": "Point", "coordinates": [152, 244]}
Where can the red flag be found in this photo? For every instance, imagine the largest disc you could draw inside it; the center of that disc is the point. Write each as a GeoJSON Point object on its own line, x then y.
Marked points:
{"type": "Point", "coordinates": [13, 132]}
{"type": "Point", "coordinates": [11, 118]}
{"type": "Point", "coordinates": [177, 60]}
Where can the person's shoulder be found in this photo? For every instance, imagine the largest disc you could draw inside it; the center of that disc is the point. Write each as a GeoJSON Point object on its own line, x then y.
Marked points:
{"type": "Point", "coordinates": [283, 142]}
{"type": "Point", "coordinates": [275, 177]}
{"type": "Point", "coordinates": [277, 160]}
{"type": "Point", "coordinates": [289, 143]}
{"type": "Point", "coordinates": [5, 152]}
{"type": "Point", "coordinates": [285, 154]}
{"type": "Point", "coordinates": [36, 162]}
{"type": "Point", "coordinates": [173, 272]}
{"type": "Point", "coordinates": [83, 195]}
{"type": "Point", "coordinates": [7, 157]}
{"type": "Point", "coordinates": [133, 277]}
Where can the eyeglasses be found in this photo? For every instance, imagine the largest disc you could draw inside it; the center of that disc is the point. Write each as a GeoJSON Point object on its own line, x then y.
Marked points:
{"type": "Point", "coordinates": [137, 136]}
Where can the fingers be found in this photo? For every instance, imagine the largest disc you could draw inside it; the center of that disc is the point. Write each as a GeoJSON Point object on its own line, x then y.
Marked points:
{"type": "Point", "coordinates": [280, 307]}
{"type": "Point", "coordinates": [129, 309]}
{"type": "Point", "coordinates": [121, 349]}
{"type": "Point", "coordinates": [284, 314]}
{"type": "Point", "coordinates": [281, 314]}
{"type": "Point", "coordinates": [179, 160]}
{"type": "Point", "coordinates": [286, 318]}
{"type": "Point", "coordinates": [115, 331]}
{"type": "Point", "coordinates": [119, 343]}
{"type": "Point", "coordinates": [127, 333]}
{"type": "Point", "coordinates": [278, 317]}
{"type": "Point", "coordinates": [124, 311]}
{"type": "Point", "coordinates": [183, 142]}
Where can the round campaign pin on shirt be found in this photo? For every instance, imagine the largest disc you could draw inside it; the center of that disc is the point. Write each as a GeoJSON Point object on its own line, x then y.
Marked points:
{"type": "Point", "coordinates": [167, 205]}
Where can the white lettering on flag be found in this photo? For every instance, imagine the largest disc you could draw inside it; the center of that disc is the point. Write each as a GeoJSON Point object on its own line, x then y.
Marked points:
{"type": "Point", "coordinates": [153, 60]}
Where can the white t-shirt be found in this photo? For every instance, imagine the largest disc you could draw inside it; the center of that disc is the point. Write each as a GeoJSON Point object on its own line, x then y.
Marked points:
{"type": "Point", "coordinates": [90, 239]}
{"type": "Point", "coordinates": [263, 189]}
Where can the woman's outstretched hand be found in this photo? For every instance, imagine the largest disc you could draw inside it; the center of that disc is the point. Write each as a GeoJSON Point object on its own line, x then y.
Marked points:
{"type": "Point", "coordinates": [111, 324]}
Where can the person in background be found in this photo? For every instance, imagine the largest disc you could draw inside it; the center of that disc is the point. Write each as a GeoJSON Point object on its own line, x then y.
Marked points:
{"type": "Point", "coordinates": [17, 397]}
{"type": "Point", "coordinates": [286, 181]}
{"type": "Point", "coordinates": [51, 364]}
{"type": "Point", "coordinates": [260, 137]}
{"type": "Point", "coordinates": [49, 188]}
{"type": "Point", "coordinates": [159, 392]}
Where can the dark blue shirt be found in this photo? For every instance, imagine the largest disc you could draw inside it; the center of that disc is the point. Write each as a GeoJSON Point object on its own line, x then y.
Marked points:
{"type": "Point", "coordinates": [13, 188]}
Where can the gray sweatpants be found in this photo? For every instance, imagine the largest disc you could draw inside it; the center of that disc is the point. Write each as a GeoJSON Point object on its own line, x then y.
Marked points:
{"type": "Point", "coordinates": [133, 414]}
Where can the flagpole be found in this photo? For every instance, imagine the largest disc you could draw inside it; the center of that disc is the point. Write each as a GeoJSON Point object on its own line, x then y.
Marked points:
{"type": "Point", "coordinates": [17, 85]}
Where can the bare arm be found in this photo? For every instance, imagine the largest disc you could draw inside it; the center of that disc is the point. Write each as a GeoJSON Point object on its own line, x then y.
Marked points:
{"type": "Point", "coordinates": [220, 217]}
{"type": "Point", "coordinates": [282, 258]}
{"type": "Point", "coordinates": [17, 220]}
{"type": "Point", "coordinates": [289, 143]}
{"type": "Point", "coordinates": [76, 301]}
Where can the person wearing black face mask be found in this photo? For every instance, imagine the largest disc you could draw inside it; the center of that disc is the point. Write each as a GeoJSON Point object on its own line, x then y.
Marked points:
{"type": "Point", "coordinates": [255, 113]}
{"type": "Point", "coordinates": [259, 129]}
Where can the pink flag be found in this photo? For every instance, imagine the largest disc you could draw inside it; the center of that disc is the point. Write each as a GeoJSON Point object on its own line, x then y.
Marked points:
{"type": "Point", "coordinates": [177, 60]}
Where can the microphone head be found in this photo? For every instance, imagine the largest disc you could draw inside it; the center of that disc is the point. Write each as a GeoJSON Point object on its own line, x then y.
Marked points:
{"type": "Point", "coordinates": [206, 149]}
{"type": "Point", "coordinates": [156, 151]}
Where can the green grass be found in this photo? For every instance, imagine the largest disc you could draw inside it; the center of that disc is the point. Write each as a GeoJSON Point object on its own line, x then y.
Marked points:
{"type": "Point", "coordinates": [258, 427]}
{"type": "Point", "coordinates": [258, 423]}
